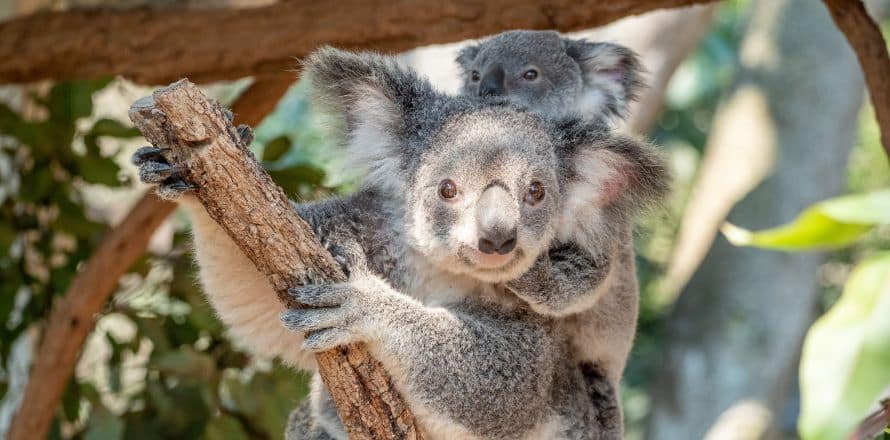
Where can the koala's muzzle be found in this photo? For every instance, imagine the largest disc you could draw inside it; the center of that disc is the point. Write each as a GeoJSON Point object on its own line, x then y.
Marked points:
{"type": "Point", "coordinates": [492, 82]}
{"type": "Point", "coordinates": [496, 219]}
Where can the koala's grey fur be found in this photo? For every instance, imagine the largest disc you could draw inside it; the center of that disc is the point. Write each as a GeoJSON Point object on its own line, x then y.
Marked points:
{"type": "Point", "coordinates": [591, 282]}
{"type": "Point", "coordinates": [471, 358]}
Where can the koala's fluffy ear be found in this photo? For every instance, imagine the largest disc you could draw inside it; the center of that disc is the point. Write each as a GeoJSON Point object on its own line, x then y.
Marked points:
{"type": "Point", "coordinates": [617, 172]}
{"type": "Point", "coordinates": [377, 99]}
{"type": "Point", "coordinates": [612, 76]}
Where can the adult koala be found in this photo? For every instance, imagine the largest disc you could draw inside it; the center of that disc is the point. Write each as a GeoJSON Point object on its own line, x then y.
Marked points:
{"type": "Point", "coordinates": [459, 197]}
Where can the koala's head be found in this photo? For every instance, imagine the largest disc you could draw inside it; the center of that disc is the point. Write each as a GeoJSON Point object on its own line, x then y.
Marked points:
{"type": "Point", "coordinates": [481, 183]}
{"type": "Point", "coordinates": [551, 74]}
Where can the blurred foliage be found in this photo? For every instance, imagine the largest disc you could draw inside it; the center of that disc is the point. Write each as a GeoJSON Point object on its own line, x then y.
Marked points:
{"type": "Point", "coordinates": [160, 364]}
{"type": "Point", "coordinates": [845, 363]}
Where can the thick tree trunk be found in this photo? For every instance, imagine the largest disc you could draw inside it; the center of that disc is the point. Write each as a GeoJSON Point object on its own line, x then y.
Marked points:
{"type": "Point", "coordinates": [733, 339]}
{"type": "Point", "coordinates": [240, 196]}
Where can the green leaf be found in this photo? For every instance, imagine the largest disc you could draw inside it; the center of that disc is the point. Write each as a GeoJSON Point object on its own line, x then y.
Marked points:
{"type": "Point", "coordinates": [71, 100]}
{"type": "Point", "coordinates": [846, 355]}
{"type": "Point", "coordinates": [225, 428]}
{"type": "Point", "coordinates": [104, 425]}
{"type": "Point", "coordinates": [276, 148]}
{"type": "Point", "coordinates": [71, 401]}
{"type": "Point", "coordinates": [113, 128]}
{"type": "Point", "coordinates": [291, 179]}
{"type": "Point", "coordinates": [186, 362]}
{"type": "Point", "coordinates": [268, 398]}
{"type": "Point", "coordinates": [828, 224]}
{"type": "Point", "coordinates": [7, 236]}
{"type": "Point", "coordinates": [97, 169]}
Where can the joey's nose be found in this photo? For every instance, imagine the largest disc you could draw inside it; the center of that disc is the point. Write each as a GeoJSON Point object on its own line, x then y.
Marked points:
{"type": "Point", "coordinates": [492, 83]}
{"type": "Point", "coordinates": [498, 242]}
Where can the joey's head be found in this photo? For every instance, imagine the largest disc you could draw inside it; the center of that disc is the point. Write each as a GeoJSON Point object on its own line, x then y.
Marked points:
{"type": "Point", "coordinates": [553, 75]}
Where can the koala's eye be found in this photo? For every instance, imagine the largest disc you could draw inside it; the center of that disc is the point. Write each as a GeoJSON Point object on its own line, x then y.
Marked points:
{"type": "Point", "coordinates": [474, 75]}
{"type": "Point", "coordinates": [530, 75]}
{"type": "Point", "coordinates": [447, 189]}
{"type": "Point", "coordinates": [535, 193]}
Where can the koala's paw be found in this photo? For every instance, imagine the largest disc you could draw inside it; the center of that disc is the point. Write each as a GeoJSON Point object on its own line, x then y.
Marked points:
{"type": "Point", "coordinates": [532, 284]}
{"type": "Point", "coordinates": [155, 169]}
{"type": "Point", "coordinates": [333, 316]}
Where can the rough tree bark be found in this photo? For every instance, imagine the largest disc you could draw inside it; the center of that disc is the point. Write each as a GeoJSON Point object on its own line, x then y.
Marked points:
{"type": "Point", "coordinates": [72, 319]}
{"type": "Point", "coordinates": [240, 196]}
{"type": "Point", "coordinates": [146, 45]}
{"type": "Point", "coordinates": [733, 338]}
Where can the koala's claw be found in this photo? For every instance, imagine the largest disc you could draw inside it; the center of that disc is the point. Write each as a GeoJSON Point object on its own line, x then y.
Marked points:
{"type": "Point", "coordinates": [154, 168]}
{"type": "Point", "coordinates": [155, 172]}
{"type": "Point", "coordinates": [309, 320]}
{"type": "Point", "coordinates": [319, 295]}
{"type": "Point", "coordinates": [327, 339]}
{"type": "Point", "coordinates": [149, 153]}
{"type": "Point", "coordinates": [246, 134]}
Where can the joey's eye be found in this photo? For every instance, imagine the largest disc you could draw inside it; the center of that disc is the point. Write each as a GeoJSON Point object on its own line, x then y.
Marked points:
{"type": "Point", "coordinates": [535, 193]}
{"type": "Point", "coordinates": [530, 75]}
{"type": "Point", "coordinates": [474, 75]}
{"type": "Point", "coordinates": [447, 189]}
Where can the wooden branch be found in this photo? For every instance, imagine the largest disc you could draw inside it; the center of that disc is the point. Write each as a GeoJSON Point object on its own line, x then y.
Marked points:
{"type": "Point", "coordinates": [147, 45]}
{"type": "Point", "coordinates": [239, 195]}
{"type": "Point", "coordinates": [73, 316]}
{"type": "Point", "coordinates": [865, 37]}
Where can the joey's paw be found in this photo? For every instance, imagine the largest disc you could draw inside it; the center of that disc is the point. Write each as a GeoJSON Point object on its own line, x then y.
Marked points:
{"type": "Point", "coordinates": [155, 169]}
{"type": "Point", "coordinates": [532, 283]}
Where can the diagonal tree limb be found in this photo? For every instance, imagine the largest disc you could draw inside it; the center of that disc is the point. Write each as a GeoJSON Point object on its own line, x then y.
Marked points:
{"type": "Point", "coordinates": [146, 45]}
{"type": "Point", "coordinates": [865, 37]}
{"type": "Point", "coordinates": [241, 197]}
{"type": "Point", "coordinates": [73, 315]}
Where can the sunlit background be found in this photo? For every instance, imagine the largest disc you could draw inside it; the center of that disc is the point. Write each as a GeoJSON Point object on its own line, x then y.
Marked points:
{"type": "Point", "coordinates": [759, 106]}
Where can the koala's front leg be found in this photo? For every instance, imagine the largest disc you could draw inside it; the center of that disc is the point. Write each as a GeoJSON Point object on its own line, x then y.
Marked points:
{"type": "Point", "coordinates": [566, 280]}
{"type": "Point", "coordinates": [472, 368]}
{"type": "Point", "coordinates": [238, 292]}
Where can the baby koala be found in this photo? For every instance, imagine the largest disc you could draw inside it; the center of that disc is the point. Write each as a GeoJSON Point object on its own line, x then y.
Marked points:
{"type": "Point", "coordinates": [460, 196]}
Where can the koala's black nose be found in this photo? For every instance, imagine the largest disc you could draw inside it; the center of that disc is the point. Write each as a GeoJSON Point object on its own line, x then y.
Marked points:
{"type": "Point", "coordinates": [499, 242]}
{"type": "Point", "coordinates": [492, 83]}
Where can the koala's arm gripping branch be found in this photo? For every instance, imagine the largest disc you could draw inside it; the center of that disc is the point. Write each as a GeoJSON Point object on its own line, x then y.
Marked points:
{"type": "Point", "coordinates": [239, 195]}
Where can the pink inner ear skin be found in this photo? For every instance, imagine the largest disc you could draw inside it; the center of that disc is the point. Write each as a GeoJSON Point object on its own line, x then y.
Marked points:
{"type": "Point", "coordinates": [610, 188]}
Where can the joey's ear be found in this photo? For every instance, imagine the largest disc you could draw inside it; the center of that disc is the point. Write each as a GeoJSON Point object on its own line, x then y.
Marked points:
{"type": "Point", "coordinates": [612, 76]}
{"type": "Point", "coordinates": [380, 102]}
{"type": "Point", "coordinates": [466, 57]}
{"type": "Point", "coordinates": [618, 172]}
